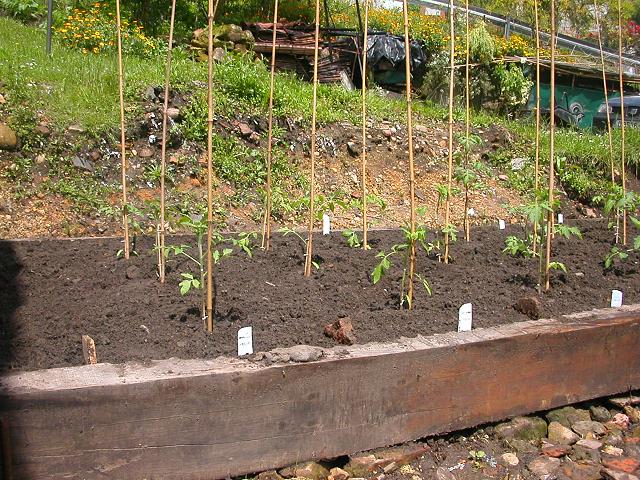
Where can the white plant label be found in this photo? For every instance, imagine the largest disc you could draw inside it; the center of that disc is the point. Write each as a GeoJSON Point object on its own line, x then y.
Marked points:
{"type": "Point", "coordinates": [501, 224]}
{"type": "Point", "coordinates": [471, 212]}
{"type": "Point", "coordinates": [616, 298]}
{"type": "Point", "coordinates": [560, 218]}
{"type": "Point", "coordinates": [326, 224]}
{"type": "Point", "coordinates": [245, 341]}
{"type": "Point", "coordinates": [465, 317]}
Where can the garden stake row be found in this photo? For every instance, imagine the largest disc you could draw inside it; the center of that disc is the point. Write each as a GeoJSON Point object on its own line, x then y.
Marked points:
{"type": "Point", "coordinates": [163, 155]}
{"type": "Point", "coordinates": [622, 127]}
{"type": "Point", "coordinates": [447, 211]}
{"type": "Point", "coordinates": [123, 154]}
{"type": "Point", "coordinates": [308, 260]}
{"type": "Point", "coordinates": [412, 180]}
{"type": "Point", "coordinates": [467, 222]}
{"type": "Point", "coordinates": [552, 127]}
{"type": "Point", "coordinates": [365, 39]}
{"type": "Point", "coordinates": [209, 301]}
{"type": "Point", "coordinates": [266, 226]}
{"type": "Point", "coordinates": [536, 180]}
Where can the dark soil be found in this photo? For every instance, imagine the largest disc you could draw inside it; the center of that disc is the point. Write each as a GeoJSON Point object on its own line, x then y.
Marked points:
{"type": "Point", "coordinates": [54, 291]}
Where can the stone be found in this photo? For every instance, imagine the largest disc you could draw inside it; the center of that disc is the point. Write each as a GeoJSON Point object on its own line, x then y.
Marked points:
{"type": "Point", "coordinates": [245, 130]}
{"type": "Point", "coordinates": [2, 99]}
{"type": "Point", "coordinates": [219, 54]}
{"type": "Point", "coordinates": [510, 459]}
{"type": "Point", "coordinates": [609, 474]}
{"type": "Point", "coordinates": [613, 438]}
{"type": "Point", "coordinates": [599, 413]}
{"type": "Point", "coordinates": [82, 163]}
{"type": "Point", "coordinates": [150, 93]}
{"type": "Point", "coordinates": [633, 413]}
{"type": "Point", "coordinates": [399, 455]}
{"type": "Point", "coordinates": [620, 402]}
{"type": "Point", "coordinates": [443, 473]}
{"type": "Point", "coordinates": [584, 428]}
{"type": "Point", "coordinates": [8, 138]}
{"type": "Point", "coordinates": [353, 149]}
{"type": "Point", "coordinates": [337, 473]}
{"type": "Point", "coordinates": [173, 113]}
{"type": "Point", "coordinates": [341, 331]}
{"type": "Point", "coordinates": [588, 443]}
{"type": "Point", "coordinates": [310, 470]}
{"type": "Point", "coordinates": [43, 130]}
{"type": "Point", "coordinates": [531, 306]}
{"type": "Point", "coordinates": [304, 353]}
{"type": "Point", "coordinates": [579, 471]}
{"type": "Point", "coordinates": [543, 466]}
{"type": "Point", "coordinates": [522, 446]}
{"type": "Point", "coordinates": [269, 475]}
{"type": "Point", "coordinates": [561, 435]}
{"type": "Point", "coordinates": [622, 464]}
{"type": "Point", "coordinates": [40, 159]}
{"type": "Point", "coordinates": [75, 129]}
{"type": "Point", "coordinates": [556, 451]}
{"type": "Point", "coordinates": [583, 454]}
{"type": "Point", "coordinates": [361, 465]}
{"type": "Point", "coordinates": [614, 451]}
{"type": "Point", "coordinates": [567, 415]}
{"type": "Point", "coordinates": [620, 420]}
{"type": "Point", "coordinates": [132, 272]}
{"type": "Point", "coordinates": [145, 152]}
{"type": "Point", "coordinates": [503, 178]}
{"type": "Point", "coordinates": [522, 428]}
{"type": "Point", "coordinates": [635, 433]}
{"type": "Point", "coordinates": [517, 163]}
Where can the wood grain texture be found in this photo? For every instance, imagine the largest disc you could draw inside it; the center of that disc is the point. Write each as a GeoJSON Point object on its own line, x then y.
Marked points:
{"type": "Point", "coordinates": [190, 419]}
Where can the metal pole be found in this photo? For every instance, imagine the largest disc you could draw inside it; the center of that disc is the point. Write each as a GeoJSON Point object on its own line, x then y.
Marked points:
{"type": "Point", "coordinates": [49, 24]}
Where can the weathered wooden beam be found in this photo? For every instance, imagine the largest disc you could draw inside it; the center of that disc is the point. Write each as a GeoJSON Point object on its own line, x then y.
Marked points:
{"type": "Point", "coordinates": [208, 419]}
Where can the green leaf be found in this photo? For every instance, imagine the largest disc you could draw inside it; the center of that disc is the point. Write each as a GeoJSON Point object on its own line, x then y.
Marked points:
{"type": "Point", "coordinates": [185, 286]}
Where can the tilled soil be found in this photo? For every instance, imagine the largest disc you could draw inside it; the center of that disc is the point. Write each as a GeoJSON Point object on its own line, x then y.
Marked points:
{"type": "Point", "coordinates": [54, 291]}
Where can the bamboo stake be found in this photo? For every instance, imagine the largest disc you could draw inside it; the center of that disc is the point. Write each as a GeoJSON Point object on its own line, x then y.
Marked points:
{"type": "Point", "coordinates": [123, 153]}
{"type": "Point", "coordinates": [623, 167]}
{"type": "Point", "coordinates": [412, 180]}
{"type": "Point", "coordinates": [365, 44]}
{"type": "Point", "coordinates": [89, 350]}
{"type": "Point", "coordinates": [537, 146]}
{"type": "Point", "coordinates": [606, 93]}
{"type": "Point", "coordinates": [209, 306]}
{"type": "Point", "coordinates": [447, 211]}
{"type": "Point", "coordinates": [552, 127]}
{"type": "Point", "coordinates": [163, 155]}
{"type": "Point", "coordinates": [266, 225]}
{"type": "Point", "coordinates": [467, 222]}
{"type": "Point", "coordinates": [308, 261]}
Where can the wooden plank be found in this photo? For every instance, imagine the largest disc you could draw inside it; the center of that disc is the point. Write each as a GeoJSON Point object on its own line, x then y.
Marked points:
{"type": "Point", "coordinates": [192, 419]}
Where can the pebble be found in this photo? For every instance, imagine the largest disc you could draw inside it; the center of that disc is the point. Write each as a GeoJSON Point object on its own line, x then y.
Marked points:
{"type": "Point", "coordinates": [543, 466]}
{"type": "Point", "coordinates": [510, 459]}
{"type": "Point", "coordinates": [561, 435]}
{"type": "Point", "coordinates": [584, 428]}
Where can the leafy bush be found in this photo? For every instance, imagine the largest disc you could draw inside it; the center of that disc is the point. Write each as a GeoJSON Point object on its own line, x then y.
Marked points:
{"type": "Point", "coordinates": [514, 87]}
{"type": "Point", "coordinates": [24, 10]}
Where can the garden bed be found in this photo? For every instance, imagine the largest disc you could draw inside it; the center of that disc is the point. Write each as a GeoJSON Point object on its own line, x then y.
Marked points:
{"type": "Point", "coordinates": [54, 291]}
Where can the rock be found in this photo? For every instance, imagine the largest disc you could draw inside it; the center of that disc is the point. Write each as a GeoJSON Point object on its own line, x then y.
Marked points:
{"type": "Point", "coordinates": [620, 402]}
{"type": "Point", "coordinates": [421, 129]}
{"type": "Point", "coordinates": [75, 129]}
{"type": "Point", "coordinates": [522, 428]}
{"type": "Point", "coordinates": [8, 138]}
{"type": "Point", "coordinates": [567, 416]}
{"type": "Point", "coordinates": [219, 54]}
{"type": "Point", "coordinates": [399, 455]}
{"type": "Point", "coordinates": [173, 113]}
{"type": "Point", "coordinates": [2, 99]}
{"type": "Point", "coordinates": [609, 474]}
{"type": "Point", "coordinates": [620, 420]}
{"type": "Point", "coordinates": [443, 473]}
{"type": "Point", "coordinates": [40, 159]}
{"type": "Point", "coordinates": [543, 466]}
{"type": "Point", "coordinates": [310, 470]}
{"type": "Point", "coordinates": [503, 178]}
{"type": "Point", "coordinates": [556, 451]}
{"type": "Point", "coordinates": [590, 213]}
{"type": "Point", "coordinates": [150, 94]}
{"type": "Point", "coordinates": [531, 306]}
{"type": "Point", "coordinates": [522, 446]}
{"type": "Point", "coordinates": [337, 473]}
{"type": "Point", "coordinates": [341, 331]}
{"type": "Point", "coordinates": [561, 435]}
{"type": "Point", "coordinates": [635, 433]}
{"type": "Point", "coordinates": [583, 454]}
{"type": "Point", "coordinates": [510, 459]}
{"type": "Point", "coordinates": [585, 428]}
{"type": "Point", "coordinates": [353, 149]}
{"type": "Point", "coordinates": [245, 130]}
{"type": "Point", "coordinates": [517, 163]}
{"type": "Point", "coordinates": [132, 272]}
{"type": "Point", "coordinates": [621, 464]}
{"type": "Point", "coordinates": [613, 438]}
{"type": "Point", "coordinates": [269, 475]}
{"type": "Point", "coordinates": [145, 152]}
{"type": "Point", "coordinates": [254, 138]}
{"type": "Point", "coordinates": [361, 466]}
{"type": "Point", "coordinates": [633, 413]}
{"type": "Point", "coordinates": [578, 471]}
{"type": "Point", "coordinates": [588, 443]}
{"type": "Point", "coordinates": [181, 344]}
{"type": "Point", "coordinates": [43, 130]}
{"type": "Point", "coordinates": [304, 353]}
{"type": "Point", "coordinates": [599, 413]}
{"type": "Point", "coordinates": [82, 163]}
{"type": "Point", "coordinates": [240, 48]}
{"type": "Point", "coordinates": [614, 451]}
{"type": "Point", "coordinates": [387, 133]}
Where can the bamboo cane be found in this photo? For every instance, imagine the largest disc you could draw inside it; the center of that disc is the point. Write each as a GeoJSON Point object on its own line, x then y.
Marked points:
{"type": "Point", "coordinates": [537, 146]}
{"type": "Point", "coordinates": [412, 180]}
{"type": "Point", "coordinates": [266, 226]}
{"type": "Point", "coordinates": [163, 155]}
{"type": "Point", "coordinates": [447, 211]}
{"type": "Point", "coordinates": [308, 261]}
{"type": "Point", "coordinates": [467, 98]}
{"type": "Point", "coordinates": [552, 127]}
{"type": "Point", "coordinates": [123, 150]}
{"type": "Point", "coordinates": [209, 306]}
{"type": "Point", "coordinates": [623, 167]}
{"type": "Point", "coordinates": [365, 43]}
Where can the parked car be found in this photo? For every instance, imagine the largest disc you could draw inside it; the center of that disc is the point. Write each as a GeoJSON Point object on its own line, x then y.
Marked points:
{"type": "Point", "coordinates": [631, 112]}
